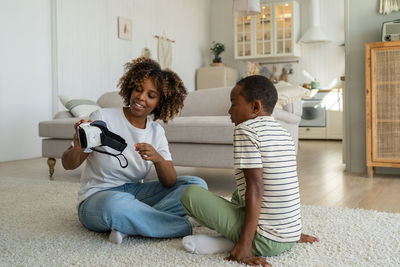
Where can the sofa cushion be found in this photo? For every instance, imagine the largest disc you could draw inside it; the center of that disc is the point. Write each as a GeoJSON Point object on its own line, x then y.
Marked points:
{"type": "Point", "coordinates": [203, 129]}
{"type": "Point", "coordinates": [288, 93]}
{"type": "Point", "coordinates": [207, 102]}
{"type": "Point", "coordinates": [200, 129]}
{"type": "Point", "coordinates": [78, 107]}
{"type": "Point", "coordinates": [60, 128]}
{"type": "Point", "coordinates": [110, 100]}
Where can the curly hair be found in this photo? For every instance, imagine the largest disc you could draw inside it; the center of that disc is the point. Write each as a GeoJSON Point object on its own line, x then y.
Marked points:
{"type": "Point", "coordinates": [170, 86]}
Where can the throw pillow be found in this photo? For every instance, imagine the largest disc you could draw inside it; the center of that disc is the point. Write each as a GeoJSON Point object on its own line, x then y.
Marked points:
{"type": "Point", "coordinates": [79, 107]}
{"type": "Point", "coordinates": [288, 93]}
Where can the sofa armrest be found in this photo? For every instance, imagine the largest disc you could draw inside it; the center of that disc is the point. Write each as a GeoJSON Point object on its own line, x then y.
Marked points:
{"type": "Point", "coordinates": [63, 114]}
{"type": "Point", "coordinates": [288, 117]}
{"type": "Point", "coordinates": [298, 107]}
{"type": "Point", "coordinates": [59, 129]}
{"type": "Point", "coordinates": [295, 107]}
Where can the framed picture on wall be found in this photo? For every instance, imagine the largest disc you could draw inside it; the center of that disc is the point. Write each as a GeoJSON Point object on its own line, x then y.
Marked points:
{"type": "Point", "coordinates": [124, 28]}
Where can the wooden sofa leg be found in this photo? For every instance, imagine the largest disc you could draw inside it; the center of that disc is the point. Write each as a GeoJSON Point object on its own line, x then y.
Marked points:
{"type": "Point", "coordinates": [51, 162]}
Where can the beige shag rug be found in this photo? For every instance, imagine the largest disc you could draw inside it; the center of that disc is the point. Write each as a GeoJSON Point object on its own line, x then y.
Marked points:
{"type": "Point", "coordinates": [39, 227]}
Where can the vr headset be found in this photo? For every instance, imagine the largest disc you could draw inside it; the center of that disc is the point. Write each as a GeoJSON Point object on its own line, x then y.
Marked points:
{"type": "Point", "coordinates": [95, 134]}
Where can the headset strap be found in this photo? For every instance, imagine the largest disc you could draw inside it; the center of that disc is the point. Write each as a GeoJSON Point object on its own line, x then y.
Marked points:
{"type": "Point", "coordinates": [114, 155]}
{"type": "Point", "coordinates": [111, 139]}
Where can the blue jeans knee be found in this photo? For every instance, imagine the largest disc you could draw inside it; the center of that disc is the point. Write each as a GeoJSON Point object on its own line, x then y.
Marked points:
{"type": "Point", "coordinates": [192, 180]}
{"type": "Point", "coordinates": [98, 212]}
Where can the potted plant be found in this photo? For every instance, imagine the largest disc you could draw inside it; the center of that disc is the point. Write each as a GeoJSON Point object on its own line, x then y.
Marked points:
{"type": "Point", "coordinates": [216, 49]}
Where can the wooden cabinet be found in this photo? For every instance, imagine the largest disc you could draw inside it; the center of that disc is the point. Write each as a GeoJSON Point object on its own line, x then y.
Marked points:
{"type": "Point", "coordinates": [271, 34]}
{"type": "Point", "coordinates": [214, 77]}
{"type": "Point", "coordinates": [382, 91]}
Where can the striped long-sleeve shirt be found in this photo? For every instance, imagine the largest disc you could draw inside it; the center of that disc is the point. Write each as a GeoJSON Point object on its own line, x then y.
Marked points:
{"type": "Point", "coordinates": [263, 143]}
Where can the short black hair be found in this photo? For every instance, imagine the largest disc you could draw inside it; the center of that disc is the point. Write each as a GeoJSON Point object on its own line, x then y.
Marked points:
{"type": "Point", "coordinates": [257, 87]}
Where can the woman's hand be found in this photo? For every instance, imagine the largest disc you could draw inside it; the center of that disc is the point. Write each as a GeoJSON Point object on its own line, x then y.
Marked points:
{"type": "Point", "coordinates": [73, 157]}
{"type": "Point", "coordinates": [164, 168]}
{"type": "Point", "coordinates": [243, 254]}
{"type": "Point", "coordinates": [147, 152]}
{"type": "Point", "coordinates": [77, 145]}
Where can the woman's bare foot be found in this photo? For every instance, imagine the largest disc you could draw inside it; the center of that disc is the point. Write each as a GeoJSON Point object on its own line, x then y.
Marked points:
{"type": "Point", "coordinates": [307, 239]}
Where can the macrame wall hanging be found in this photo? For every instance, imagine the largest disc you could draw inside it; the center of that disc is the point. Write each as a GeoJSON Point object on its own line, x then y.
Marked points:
{"type": "Point", "coordinates": [164, 51]}
{"type": "Point", "coordinates": [388, 6]}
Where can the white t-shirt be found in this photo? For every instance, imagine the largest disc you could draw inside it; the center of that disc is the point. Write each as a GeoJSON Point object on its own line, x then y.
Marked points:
{"type": "Point", "coordinates": [263, 143]}
{"type": "Point", "coordinates": [104, 171]}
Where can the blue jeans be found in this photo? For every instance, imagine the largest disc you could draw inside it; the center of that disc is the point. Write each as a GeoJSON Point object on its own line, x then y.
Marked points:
{"type": "Point", "coordinates": [146, 209]}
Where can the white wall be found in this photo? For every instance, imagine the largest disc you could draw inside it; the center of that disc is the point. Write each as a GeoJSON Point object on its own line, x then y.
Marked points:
{"type": "Point", "coordinates": [363, 25]}
{"type": "Point", "coordinates": [323, 61]}
{"type": "Point", "coordinates": [25, 76]}
{"type": "Point", "coordinates": [90, 56]}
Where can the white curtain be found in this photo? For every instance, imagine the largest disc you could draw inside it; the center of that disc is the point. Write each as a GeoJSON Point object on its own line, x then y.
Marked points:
{"type": "Point", "coordinates": [388, 6]}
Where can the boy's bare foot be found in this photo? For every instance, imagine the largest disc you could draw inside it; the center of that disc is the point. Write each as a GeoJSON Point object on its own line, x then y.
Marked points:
{"type": "Point", "coordinates": [251, 261]}
{"type": "Point", "coordinates": [307, 239]}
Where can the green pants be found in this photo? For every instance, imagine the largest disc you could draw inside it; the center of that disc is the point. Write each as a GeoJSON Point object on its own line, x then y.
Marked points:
{"type": "Point", "coordinates": [227, 218]}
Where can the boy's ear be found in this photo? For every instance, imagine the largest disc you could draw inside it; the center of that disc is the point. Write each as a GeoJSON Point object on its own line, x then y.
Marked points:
{"type": "Point", "coordinates": [257, 107]}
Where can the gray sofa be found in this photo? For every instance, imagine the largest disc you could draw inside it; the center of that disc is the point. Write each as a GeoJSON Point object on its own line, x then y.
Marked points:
{"type": "Point", "coordinates": [201, 136]}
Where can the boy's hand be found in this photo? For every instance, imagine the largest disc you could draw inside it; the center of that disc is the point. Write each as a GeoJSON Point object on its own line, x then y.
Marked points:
{"type": "Point", "coordinates": [147, 152]}
{"type": "Point", "coordinates": [242, 251]}
{"type": "Point", "coordinates": [243, 254]}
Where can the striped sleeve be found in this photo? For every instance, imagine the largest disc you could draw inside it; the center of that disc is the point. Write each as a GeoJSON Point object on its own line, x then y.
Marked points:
{"type": "Point", "coordinates": [246, 148]}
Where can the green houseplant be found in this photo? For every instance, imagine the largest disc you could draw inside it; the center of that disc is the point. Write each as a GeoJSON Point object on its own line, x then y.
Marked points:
{"type": "Point", "coordinates": [216, 49]}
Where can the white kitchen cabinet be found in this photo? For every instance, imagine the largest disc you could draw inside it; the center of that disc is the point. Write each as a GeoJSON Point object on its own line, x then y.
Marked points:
{"type": "Point", "coordinates": [312, 132]}
{"type": "Point", "coordinates": [334, 124]}
{"type": "Point", "coordinates": [332, 131]}
{"type": "Point", "coordinates": [272, 34]}
{"type": "Point", "coordinates": [333, 103]}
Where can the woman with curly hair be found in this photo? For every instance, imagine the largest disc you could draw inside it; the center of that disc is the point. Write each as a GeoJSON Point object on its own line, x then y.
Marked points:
{"type": "Point", "coordinates": [116, 199]}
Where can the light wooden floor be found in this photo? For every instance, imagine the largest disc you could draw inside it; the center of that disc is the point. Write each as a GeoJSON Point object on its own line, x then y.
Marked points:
{"type": "Point", "coordinates": [322, 178]}
{"type": "Point", "coordinates": [324, 182]}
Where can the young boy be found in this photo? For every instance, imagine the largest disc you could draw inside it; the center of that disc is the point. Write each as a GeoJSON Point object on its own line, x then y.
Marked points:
{"type": "Point", "coordinates": [263, 217]}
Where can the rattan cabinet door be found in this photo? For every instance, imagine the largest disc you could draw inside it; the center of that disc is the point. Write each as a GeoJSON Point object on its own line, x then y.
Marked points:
{"type": "Point", "coordinates": [382, 92]}
{"type": "Point", "coordinates": [385, 100]}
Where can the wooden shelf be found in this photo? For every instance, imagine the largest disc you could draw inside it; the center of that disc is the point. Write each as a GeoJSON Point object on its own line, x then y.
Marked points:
{"type": "Point", "coordinates": [387, 121]}
{"type": "Point", "coordinates": [388, 83]}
